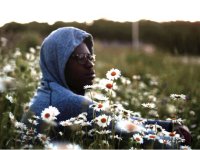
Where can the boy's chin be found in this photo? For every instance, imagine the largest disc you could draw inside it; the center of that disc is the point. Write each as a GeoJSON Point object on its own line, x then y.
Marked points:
{"type": "Point", "coordinates": [89, 82]}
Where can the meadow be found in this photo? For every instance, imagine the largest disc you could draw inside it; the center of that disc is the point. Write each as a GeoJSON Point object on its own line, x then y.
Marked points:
{"type": "Point", "coordinates": [171, 74]}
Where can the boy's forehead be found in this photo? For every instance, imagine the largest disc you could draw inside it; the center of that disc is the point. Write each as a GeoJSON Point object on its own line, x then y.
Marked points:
{"type": "Point", "coordinates": [82, 48]}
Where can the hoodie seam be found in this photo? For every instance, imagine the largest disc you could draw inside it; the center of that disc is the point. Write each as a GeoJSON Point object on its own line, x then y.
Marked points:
{"type": "Point", "coordinates": [50, 95]}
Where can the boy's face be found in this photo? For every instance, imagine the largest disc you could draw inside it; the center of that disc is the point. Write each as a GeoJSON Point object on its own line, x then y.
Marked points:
{"type": "Point", "coordinates": [79, 69]}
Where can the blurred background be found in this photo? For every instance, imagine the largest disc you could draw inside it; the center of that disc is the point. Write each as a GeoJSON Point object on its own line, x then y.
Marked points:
{"type": "Point", "coordinates": [160, 38]}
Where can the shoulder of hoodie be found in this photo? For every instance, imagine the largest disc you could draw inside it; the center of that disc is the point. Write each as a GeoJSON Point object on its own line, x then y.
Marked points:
{"type": "Point", "coordinates": [65, 93]}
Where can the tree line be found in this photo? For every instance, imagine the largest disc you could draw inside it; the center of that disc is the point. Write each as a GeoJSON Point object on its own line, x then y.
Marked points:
{"type": "Point", "coordinates": [178, 37]}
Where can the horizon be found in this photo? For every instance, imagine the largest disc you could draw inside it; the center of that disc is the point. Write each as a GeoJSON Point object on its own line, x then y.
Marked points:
{"type": "Point", "coordinates": [97, 20]}
{"type": "Point", "coordinates": [51, 11]}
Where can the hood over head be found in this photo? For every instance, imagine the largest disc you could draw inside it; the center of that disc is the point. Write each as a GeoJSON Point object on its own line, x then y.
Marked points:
{"type": "Point", "coordinates": [56, 50]}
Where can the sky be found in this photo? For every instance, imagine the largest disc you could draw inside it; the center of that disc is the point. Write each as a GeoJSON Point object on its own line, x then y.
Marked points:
{"type": "Point", "coordinates": [50, 11]}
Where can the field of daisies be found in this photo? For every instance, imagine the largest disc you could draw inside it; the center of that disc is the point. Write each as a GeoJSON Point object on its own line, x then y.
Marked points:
{"type": "Point", "coordinates": [129, 84]}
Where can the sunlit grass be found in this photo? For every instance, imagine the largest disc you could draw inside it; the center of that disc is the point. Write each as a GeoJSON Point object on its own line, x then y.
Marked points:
{"type": "Point", "coordinates": [177, 73]}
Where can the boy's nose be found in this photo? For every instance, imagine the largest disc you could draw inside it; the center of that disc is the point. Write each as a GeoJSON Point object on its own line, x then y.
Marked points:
{"type": "Point", "coordinates": [89, 64]}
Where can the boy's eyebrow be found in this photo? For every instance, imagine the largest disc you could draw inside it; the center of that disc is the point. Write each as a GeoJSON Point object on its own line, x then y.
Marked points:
{"type": "Point", "coordinates": [81, 53]}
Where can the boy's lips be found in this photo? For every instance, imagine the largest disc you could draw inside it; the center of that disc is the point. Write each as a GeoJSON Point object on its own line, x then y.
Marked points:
{"type": "Point", "coordinates": [90, 75]}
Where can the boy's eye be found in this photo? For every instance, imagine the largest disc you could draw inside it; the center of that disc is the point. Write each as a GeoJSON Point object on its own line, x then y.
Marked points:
{"type": "Point", "coordinates": [84, 58]}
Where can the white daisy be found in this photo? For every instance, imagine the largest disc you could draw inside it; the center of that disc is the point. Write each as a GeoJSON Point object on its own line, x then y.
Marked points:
{"type": "Point", "coordinates": [38, 47]}
{"type": "Point", "coordinates": [153, 82]}
{"type": "Point", "coordinates": [116, 107]}
{"type": "Point", "coordinates": [192, 113]}
{"type": "Point", "coordinates": [3, 41]}
{"type": "Point", "coordinates": [36, 117]}
{"type": "Point", "coordinates": [153, 113]}
{"type": "Point", "coordinates": [31, 131]}
{"type": "Point", "coordinates": [92, 132]}
{"type": "Point", "coordinates": [171, 108]}
{"type": "Point", "coordinates": [33, 72]}
{"type": "Point", "coordinates": [17, 53]}
{"type": "Point", "coordinates": [103, 132]}
{"type": "Point", "coordinates": [66, 123]}
{"type": "Point", "coordinates": [107, 85]}
{"type": "Point", "coordinates": [149, 105]}
{"type": "Point", "coordinates": [167, 142]}
{"type": "Point", "coordinates": [136, 77]}
{"type": "Point", "coordinates": [30, 56]}
{"type": "Point", "coordinates": [185, 147]}
{"type": "Point", "coordinates": [178, 96]}
{"type": "Point", "coordinates": [32, 50]}
{"type": "Point", "coordinates": [11, 116]}
{"type": "Point", "coordinates": [174, 120]}
{"type": "Point", "coordinates": [152, 98]}
{"type": "Point", "coordinates": [100, 97]}
{"type": "Point", "coordinates": [103, 120]}
{"type": "Point", "coordinates": [125, 81]}
{"type": "Point", "coordinates": [78, 122]}
{"type": "Point", "coordinates": [60, 133]}
{"type": "Point", "coordinates": [20, 125]}
{"type": "Point", "coordinates": [89, 87]}
{"type": "Point", "coordinates": [82, 116]}
{"type": "Point", "coordinates": [126, 113]}
{"type": "Point", "coordinates": [151, 136]}
{"type": "Point", "coordinates": [10, 98]}
{"type": "Point", "coordinates": [34, 122]}
{"type": "Point", "coordinates": [8, 68]}
{"type": "Point", "coordinates": [101, 106]}
{"type": "Point", "coordinates": [142, 85]}
{"type": "Point", "coordinates": [113, 74]}
{"type": "Point", "coordinates": [115, 137]}
{"type": "Point", "coordinates": [138, 138]}
{"type": "Point", "coordinates": [153, 128]}
{"type": "Point", "coordinates": [49, 114]}
{"type": "Point", "coordinates": [43, 138]}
